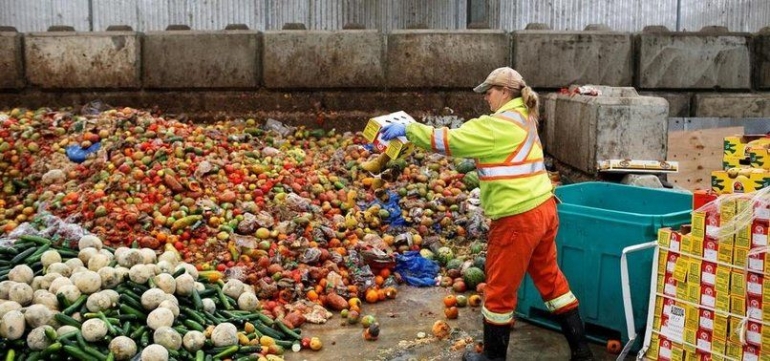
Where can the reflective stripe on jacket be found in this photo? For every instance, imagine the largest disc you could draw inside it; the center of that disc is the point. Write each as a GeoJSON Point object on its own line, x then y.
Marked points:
{"type": "Point", "coordinates": [508, 154]}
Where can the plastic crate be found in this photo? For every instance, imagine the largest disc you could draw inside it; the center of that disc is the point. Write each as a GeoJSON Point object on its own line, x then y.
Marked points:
{"type": "Point", "coordinates": [598, 220]}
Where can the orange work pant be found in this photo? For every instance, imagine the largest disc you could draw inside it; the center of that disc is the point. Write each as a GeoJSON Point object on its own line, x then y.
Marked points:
{"type": "Point", "coordinates": [519, 244]}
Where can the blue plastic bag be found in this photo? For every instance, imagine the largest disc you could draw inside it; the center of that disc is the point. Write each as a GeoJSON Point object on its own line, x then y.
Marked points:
{"type": "Point", "coordinates": [395, 219]}
{"type": "Point", "coordinates": [78, 154]}
{"type": "Point", "coordinates": [416, 270]}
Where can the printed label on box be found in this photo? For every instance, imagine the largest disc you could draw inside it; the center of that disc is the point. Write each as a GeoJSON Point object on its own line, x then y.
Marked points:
{"type": "Point", "coordinates": [712, 225]}
{"type": "Point", "coordinates": [706, 319]}
{"type": "Point", "coordinates": [675, 242]}
{"type": "Point", "coordinates": [673, 327]}
{"type": "Point", "coordinates": [754, 284]}
{"type": "Point", "coordinates": [708, 273]}
{"type": "Point", "coordinates": [667, 304]}
{"type": "Point", "coordinates": [756, 262]}
{"type": "Point", "coordinates": [753, 333]}
{"type": "Point", "coordinates": [664, 352]}
{"type": "Point", "coordinates": [671, 265]}
{"type": "Point", "coordinates": [754, 307]}
{"type": "Point", "coordinates": [670, 286]}
{"type": "Point", "coordinates": [710, 249]}
{"type": "Point", "coordinates": [750, 353]}
{"type": "Point", "coordinates": [708, 296]}
{"type": "Point", "coordinates": [704, 340]}
{"type": "Point", "coordinates": [758, 234]}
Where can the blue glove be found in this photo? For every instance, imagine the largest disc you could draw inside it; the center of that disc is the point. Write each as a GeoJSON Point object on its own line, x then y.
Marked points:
{"type": "Point", "coordinates": [393, 130]}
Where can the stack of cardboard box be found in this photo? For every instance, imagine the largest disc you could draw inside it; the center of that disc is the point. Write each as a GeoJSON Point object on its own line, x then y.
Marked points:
{"type": "Point", "coordinates": [712, 299]}
{"type": "Point", "coordinates": [746, 165]}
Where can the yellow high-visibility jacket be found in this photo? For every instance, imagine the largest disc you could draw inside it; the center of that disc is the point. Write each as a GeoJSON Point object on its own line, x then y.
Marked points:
{"type": "Point", "coordinates": [508, 154]}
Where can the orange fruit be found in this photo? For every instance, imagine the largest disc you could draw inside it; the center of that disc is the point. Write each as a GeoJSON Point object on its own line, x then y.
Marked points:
{"type": "Point", "coordinates": [450, 300]}
{"type": "Point", "coordinates": [474, 301]}
{"type": "Point", "coordinates": [354, 302]}
{"type": "Point", "coordinates": [451, 312]}
{"type": "Point", "coordinates": [372, 296]}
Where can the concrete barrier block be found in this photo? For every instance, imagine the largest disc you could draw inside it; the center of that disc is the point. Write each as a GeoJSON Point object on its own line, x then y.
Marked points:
{"type": "Point", "coordinates": [10, 61]}
{"type": "Point", "coordinates": [83, 60]}
{"type": "Point", "coordinates": [198, 59]}
{"type": "Point", "coordinates": [762, 58]}
{"type": "Point", "coordinates": [323, 59]}
{"type": "Point", "coordinates": [731, 105]}
{"type": "Point", "coordinates": [554, 59]}
{"type": "Point", "coordinates": [582, 130]}
{"type": "Point", "coordinates": [694, 61]}
{"type": "Point", "coordinates": [679, 104]}
{"type": "Point", "coordinates": [443, 59]}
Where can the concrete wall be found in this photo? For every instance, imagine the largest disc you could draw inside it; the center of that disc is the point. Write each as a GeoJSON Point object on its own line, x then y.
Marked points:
{"type": "Point", "coordinates": [349, 75]}
{"type": "Point", "coordinates": [552, 59]}
{"type": "Point", "coordinates": [762, 58]}
{"type": "Point", "coordinates": [702, 60]}
{"type": "Point", "coordinates": [70, 60]}
{"type": "Point", "coordinates": [323, 59]}
{"type": "Point", "coordinates": [11, 69]}
{"type": "Point", "coordinates": [193, 59]}
{"type": "Point", "coordinates": [457, 59]}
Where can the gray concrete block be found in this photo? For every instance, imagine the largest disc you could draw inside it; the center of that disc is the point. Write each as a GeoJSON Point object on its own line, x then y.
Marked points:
{"type": "Point", "coordinates": [582, 130]}
{"type": "Point", "coordinates": [679, 104]}
{"type": "Point", "coordinates": [762, 59]}
{"type": "Point", "coordinates": [83, 60]}
{"type": "Point", "coordinates": [443, 59]}
{"type": "Point", "coordinates": [11, 66]}
{"type": "Point", "coordinates": [323, 59]}
{"type": "Point", "coordinates": [730, 105]}
{"type": "Point", "coordinates": [694, 61]}
{"type": "Point", "coordinates": [554, 59]}
{"type": "Point", "coordinates": [197, 59]}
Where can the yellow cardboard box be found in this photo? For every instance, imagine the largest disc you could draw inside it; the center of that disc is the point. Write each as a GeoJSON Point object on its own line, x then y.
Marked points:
{"type": "Point", "coordinates": [723, 280]}
{"type": "Point", "coordinates": [394, 148]}
{"type": "Point", "coordinates": [737, 282]}
{"type": "Point", "coordinates": [740, 256]}
{"type": "Point", "coordinates": [733, 162]}
{"type": "Point", "coordinates": [739, 180]}
{"type": "Point", "coordinates": [720, 327]}
{"type": "Point", "coordinates": [737, 145]}
{"type": "Point", "coordinates": [759, 157]}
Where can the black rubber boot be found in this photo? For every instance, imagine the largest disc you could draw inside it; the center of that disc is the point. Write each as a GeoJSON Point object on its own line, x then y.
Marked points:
{"type": "Point", "coordinates": [572, 327]}
{"type": "Point", "coordinates": [496, 340]}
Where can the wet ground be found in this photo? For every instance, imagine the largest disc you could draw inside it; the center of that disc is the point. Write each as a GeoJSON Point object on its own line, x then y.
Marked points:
{"type": "Point", "coordinates": [414, 311]}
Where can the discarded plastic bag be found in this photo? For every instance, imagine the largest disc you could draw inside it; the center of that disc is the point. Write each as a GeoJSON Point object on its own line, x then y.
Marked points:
{"type": "Point", "coordinates": [78, 154]}
{"type": "Point", "coordinates": [395, 219]}
{"type": "Point", "coordinates": [416, 270]}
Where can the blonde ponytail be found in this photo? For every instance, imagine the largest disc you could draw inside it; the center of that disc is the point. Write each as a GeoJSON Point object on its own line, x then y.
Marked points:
{"type": "Point", "coordinates": [532, 102]}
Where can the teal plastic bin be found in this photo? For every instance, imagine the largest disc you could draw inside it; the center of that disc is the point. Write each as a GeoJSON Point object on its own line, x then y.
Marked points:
{"type": "Point", "coordinates": [598, 220]}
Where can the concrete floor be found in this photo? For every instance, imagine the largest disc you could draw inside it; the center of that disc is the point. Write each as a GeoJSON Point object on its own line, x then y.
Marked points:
{"type": "Point", "coordinates": [415, 310]}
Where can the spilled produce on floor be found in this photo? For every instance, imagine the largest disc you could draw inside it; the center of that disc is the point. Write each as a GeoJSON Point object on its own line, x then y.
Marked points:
{"type": "Point", "coordinates": [253, 224]}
